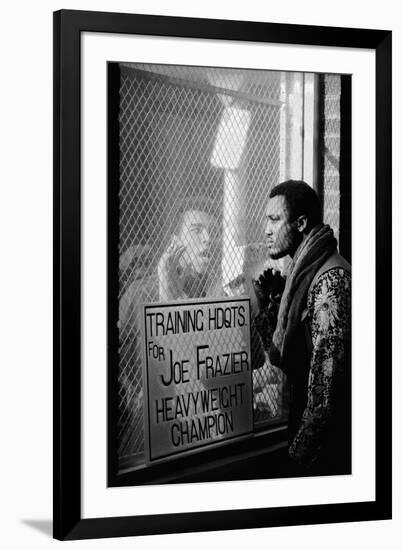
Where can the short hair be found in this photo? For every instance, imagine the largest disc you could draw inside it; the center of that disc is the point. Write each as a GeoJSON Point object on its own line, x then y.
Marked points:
{"type": "Point", "coordinates": [301, 200]}
{"type": "Point", "coordinates": [198, 203]}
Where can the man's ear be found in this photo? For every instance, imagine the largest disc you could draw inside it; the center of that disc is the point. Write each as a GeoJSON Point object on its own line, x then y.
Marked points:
{"type": "Point", "coordinates": [301, 224]}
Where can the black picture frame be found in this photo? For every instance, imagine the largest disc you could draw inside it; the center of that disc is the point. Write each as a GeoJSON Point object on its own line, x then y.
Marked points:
{"type": "Point", "coordinates": [68, 27]}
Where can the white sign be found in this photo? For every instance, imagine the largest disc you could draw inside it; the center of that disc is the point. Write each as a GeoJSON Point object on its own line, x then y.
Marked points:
{"type": "Point", "coordinates": [198, 380]}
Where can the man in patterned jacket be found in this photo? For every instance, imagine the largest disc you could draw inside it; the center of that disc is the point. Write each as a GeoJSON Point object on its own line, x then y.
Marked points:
{"type": "Point", "coordinates": [304, 322]}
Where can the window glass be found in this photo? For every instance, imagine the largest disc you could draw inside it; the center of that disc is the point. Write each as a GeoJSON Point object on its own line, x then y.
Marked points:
{"type": "Point", "coordinates": [200, 149]}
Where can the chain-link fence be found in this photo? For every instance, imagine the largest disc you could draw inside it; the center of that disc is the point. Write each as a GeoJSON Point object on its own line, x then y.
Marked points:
{"type": "Point", "coordinates": [199, 150]}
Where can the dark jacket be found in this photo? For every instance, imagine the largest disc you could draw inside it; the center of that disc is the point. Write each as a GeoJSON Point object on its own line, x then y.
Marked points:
{"type": "Point", "coordinates": [318, 372]}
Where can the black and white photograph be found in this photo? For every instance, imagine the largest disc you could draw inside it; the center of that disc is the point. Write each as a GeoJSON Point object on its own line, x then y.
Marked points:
{"type": "Point", "coordinates": [229, 274]}
{"type": "Point", "coordinates": [217, 366]}
{"type": "Point", "coordinates": [200, 279]}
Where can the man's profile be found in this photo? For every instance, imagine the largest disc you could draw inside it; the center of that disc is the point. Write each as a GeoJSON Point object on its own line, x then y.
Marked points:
{"type": "Point", "coordinates": [305, 326]}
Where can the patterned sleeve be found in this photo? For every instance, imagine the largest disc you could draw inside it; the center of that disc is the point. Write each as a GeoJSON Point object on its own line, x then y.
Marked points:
{"type": "Point", "coordinates": [329, 305]}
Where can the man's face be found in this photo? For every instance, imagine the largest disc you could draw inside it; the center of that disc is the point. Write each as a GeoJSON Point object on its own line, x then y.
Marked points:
{"type": "Point", "coordinates": [282, 235]}
{"type": "Point", "coordinates": [195, 237]}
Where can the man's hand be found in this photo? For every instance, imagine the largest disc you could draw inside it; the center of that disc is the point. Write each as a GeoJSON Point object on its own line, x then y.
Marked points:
{"type": "Point", "coordinates": [170, 271]}
{"type": "Point", "coordinates": [268, 288]}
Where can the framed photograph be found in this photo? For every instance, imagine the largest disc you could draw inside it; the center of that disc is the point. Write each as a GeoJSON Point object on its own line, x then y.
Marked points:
{"type": "Point", "coordinates": [216, 365]}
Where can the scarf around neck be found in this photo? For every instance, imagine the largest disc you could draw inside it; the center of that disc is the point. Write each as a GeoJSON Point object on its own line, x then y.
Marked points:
{"type": "Point", "coordinates": [309, 257]}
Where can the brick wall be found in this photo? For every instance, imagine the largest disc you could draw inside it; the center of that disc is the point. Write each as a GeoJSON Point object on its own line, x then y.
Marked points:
{"type": "Point", "coordinates": [331, 126]}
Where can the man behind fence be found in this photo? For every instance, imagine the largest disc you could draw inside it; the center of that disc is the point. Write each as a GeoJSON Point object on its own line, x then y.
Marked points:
{"type": "Point", "coordinates": [184, 270]}
{"type": "Point", "coordinates": [186, 267]}
{"type": "Point", "coordinates": [304, 322]}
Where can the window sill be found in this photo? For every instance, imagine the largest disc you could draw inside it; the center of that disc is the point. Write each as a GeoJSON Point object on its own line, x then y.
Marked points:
{"type": "Point", "coordinates": [259, 456]}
